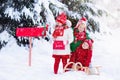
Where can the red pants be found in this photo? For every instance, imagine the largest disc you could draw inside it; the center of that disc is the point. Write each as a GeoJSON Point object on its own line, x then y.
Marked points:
{"type": "Point", "coordinates": [57, 61]}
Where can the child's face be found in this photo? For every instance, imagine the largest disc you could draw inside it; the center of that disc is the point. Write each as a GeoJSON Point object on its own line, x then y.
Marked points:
{"type": "Point", "coordinates": [58, 23]}
{"type": "Point", "coordinates": [85, 45]}
{"type": "Point", "coordinates": [81, 28]}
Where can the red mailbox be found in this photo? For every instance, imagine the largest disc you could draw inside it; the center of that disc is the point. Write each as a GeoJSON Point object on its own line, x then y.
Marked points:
{"type": "Point", "coordinates": [31, 32]}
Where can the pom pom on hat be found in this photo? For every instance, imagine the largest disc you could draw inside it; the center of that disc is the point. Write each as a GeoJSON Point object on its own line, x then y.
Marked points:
{"type": "Point", "coordinates": [61, 18]}
{"type": "Point", "coordinates": [68, 23]}
{"type": "Point", "coordinates": [82, 20]}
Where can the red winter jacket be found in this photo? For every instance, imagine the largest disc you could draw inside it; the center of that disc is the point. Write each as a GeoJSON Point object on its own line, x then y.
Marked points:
{"type": "Point", "coordinates": [79, 35]}
{"type": "Point", "coordinates": [82, 55]}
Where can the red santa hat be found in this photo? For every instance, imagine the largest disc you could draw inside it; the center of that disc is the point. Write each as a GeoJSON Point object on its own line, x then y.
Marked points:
{"type": "Point", "coordinates": [90, 42]}
{"type": "Point", "coordinates": [61, 18]}
{"type": "Point", "coordinates": [82, 20]}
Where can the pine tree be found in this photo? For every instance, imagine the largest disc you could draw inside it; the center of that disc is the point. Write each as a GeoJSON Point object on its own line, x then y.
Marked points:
{"type": "Point", "coordinates": [32, 13]}
{"type": "Point", "coordinates": [24, 13]}
{"type": "Point", "coordinates": [84, 8]}
{"type": "Point", "coordinates": [11, 16]}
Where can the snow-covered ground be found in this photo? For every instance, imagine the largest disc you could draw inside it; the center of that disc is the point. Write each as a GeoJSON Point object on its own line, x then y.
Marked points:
{"type": "Point", "coordinates": [14, 61]}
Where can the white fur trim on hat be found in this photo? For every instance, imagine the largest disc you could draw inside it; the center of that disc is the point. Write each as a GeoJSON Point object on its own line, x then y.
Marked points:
{"type": "Point", "coordinates": [83, 20]}
{"type": "Point", "coordinates": [68, 23]}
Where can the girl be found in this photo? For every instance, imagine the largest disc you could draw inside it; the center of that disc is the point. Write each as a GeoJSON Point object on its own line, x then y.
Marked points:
{"type": "Point", "coordinates": [83, 53]}
{"type": "Point", "coordinates": [63, 36]}
{"type": "Point", "coordinates": [79, 34]}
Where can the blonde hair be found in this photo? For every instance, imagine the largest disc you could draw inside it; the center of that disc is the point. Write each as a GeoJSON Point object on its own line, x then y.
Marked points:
{"type": "Point", "coordinates": [82, 24]}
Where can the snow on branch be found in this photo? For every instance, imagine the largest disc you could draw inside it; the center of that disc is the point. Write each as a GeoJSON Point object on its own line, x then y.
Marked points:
{"type": "Point", "coordinates": [12, 13]}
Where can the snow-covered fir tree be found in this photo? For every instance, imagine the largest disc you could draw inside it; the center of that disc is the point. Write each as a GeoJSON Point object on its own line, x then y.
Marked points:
{"type": "Point", "coordinates": [84, 8]}
{"type": "Point", "coordinates": [36, 13]}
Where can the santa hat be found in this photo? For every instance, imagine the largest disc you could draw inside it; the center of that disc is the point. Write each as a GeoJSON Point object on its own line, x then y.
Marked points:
{"type": "Point", "coordinates": [68, 23]}
{"type": "Point", "coordinates": [90, 42]}
{"type": "Point", "coordinates": [61, 18]}
{"type": "Point", "coordinates": [82, 20]}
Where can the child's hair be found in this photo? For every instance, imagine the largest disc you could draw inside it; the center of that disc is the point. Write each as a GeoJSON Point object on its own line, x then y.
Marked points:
{"type": "Point", "coordinates": [82, 26]}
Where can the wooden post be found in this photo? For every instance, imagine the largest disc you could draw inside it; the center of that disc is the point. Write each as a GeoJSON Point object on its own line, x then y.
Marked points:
{"type": "Point", "coordinates": [30, 32]}
{"type": "Point", "coordinates": [30, 51]}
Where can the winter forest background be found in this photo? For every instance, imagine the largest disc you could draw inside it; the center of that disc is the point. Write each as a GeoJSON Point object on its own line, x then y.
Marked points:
{"type": "Point", "coordinates": [31, 13]}
{"type": "Point", "coordinates": [103, 26]}
{"type": "Point", "coordinates": [36, 13]}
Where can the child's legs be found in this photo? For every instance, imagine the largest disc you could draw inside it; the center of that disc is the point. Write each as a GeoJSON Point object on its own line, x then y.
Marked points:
{"type": "Point", "coordinates": [72, 59]}
{"type": "Point", "coordinates": [56, 64]}
{"type": "Point", "coordinates": [64, 60]}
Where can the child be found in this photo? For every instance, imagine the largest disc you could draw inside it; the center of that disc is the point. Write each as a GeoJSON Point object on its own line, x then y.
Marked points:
{"type": "Point", "coordinates": [83, 53]}
{"type": "Point", "coordinates": [79, 34]}
{"type": "Point", "coordinates": [63, 36]}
